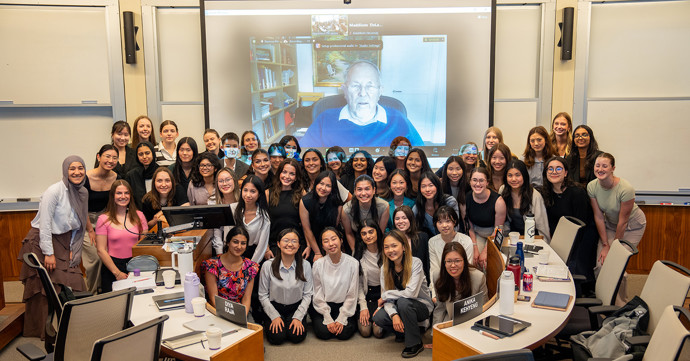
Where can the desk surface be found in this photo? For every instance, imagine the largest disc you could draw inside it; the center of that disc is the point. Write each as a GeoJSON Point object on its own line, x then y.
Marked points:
{"type": "Point", "coordinates": [452, 342]}
{"type": "Point", "coordinates": [143, 309]}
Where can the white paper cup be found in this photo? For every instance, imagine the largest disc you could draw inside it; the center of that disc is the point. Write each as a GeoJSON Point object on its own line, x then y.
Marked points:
{"type": "Point", "coordinates": [214, 335]}
{"type": "Point", "coordinates": [199, 305]}
{"type": "Point", "coordinates": [544, 256]}
{"type": "Point", "coordinates": [514, 237]}
{"type": "Point", "coordinates": [169, 278]}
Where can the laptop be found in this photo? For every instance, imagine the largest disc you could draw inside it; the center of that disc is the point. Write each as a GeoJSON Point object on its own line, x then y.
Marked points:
{"type": "Point", "coordinates": [203, 323]}
{"type": "Point", "coordinates": [231, 311]}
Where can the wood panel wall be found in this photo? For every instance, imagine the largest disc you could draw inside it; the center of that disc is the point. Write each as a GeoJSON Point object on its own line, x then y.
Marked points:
{"type": "Point", "coordinates": [666, 237]}
{"type": "Point", "coordinates": [13, 228]}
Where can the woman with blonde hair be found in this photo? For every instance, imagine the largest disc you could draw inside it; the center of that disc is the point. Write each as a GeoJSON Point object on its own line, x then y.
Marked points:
{"type": "Point", "coordinates": [561, 133]}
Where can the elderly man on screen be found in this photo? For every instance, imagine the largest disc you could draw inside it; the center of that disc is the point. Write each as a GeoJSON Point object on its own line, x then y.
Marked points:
{"type": "Point", "coordinates": [363, 121]}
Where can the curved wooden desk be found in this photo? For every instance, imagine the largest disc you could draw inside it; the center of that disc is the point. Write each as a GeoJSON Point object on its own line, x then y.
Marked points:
{"type": "Point", "coordinates": [453, 342]}
{"type": "Point", "coordinates": [245, 345]}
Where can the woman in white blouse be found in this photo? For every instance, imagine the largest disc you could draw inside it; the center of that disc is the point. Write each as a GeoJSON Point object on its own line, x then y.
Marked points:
{"type": "Point", "coordinates": [336, 279]}
{"type": "Point", "coordinates": [252, 212]}
{"type": "Point", "coordinates": [405, 300]}
{"type": "Point", "coordinates": [369, 252]}
{"type": "Point", "coordinates": [56, 237]}
{"type": "Point", "coordinates": [285, 291]}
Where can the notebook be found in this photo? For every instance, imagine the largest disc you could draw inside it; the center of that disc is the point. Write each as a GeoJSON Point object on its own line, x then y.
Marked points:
{"type": "Point", "coordinates": [552, 300]}
{"type": "Point", "coordinates": [170, 301]}
{"type": "Point", "coordinates": [552, 273]}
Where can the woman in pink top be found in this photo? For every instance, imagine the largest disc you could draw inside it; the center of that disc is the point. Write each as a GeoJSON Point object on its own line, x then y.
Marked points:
{"type": "Point", "coordinates": [117, 232]}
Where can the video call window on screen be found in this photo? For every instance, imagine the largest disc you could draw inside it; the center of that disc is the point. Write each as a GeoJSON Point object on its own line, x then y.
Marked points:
{"type": "Point", "coordinates": [349, 76]}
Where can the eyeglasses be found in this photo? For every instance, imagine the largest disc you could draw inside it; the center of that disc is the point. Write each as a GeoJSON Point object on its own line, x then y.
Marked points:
{"type": "Point", "coordinates": [205, 166]}
{"type": "Point", "coordinates": [290, 241]}
{"type": "Point", "coordinates": [477, 180]}
{"type": "Point", "coordinates": [225, 181]}
{"type": "Point", "coordinates": [454, 262]}
{"type": "Point", "coordinates": [583, 135]}
{"type": "Point", "coordinates": [554, 170]}
{"type": "Point", "coordinates": [369, 88]}
{"type": "Point", "coordinates": [109, 157]}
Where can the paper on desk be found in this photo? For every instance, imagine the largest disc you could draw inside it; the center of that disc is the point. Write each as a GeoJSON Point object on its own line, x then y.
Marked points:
{"type": "Point", "coordinates": [552, 271]}
{"type": "Point", "coordinates": [141, 283]}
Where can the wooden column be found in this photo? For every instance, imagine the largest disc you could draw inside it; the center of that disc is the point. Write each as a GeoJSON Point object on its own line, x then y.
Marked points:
{"type": "Point", "coordinates": [14, 226]}
{"type": "Point", "coordinates": [666, 237]}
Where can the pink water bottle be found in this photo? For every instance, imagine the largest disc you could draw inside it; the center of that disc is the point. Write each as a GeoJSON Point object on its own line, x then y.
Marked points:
{"type": "Point", "coordinates": [191, 290]}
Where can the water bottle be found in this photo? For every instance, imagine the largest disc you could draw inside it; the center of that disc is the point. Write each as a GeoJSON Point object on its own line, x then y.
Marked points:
{"type": "Point", "coordinates": [191, 290]}
{"type": "Point", "coordinates": [521, 253]}
{"type": "Point", "coordinates": [529, 228]}
{"type": "Point", "coordinates": [506, 298]}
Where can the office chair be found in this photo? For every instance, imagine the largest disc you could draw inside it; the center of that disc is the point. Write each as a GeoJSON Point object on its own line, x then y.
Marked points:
{"type": "Point", "coordinates": [667, 342]}
{"type": "Point", "coordinates": [605, 289]}
{"type": "Point", "coordinates": [83, 322]}
{"type": "Point", "coordinates": [338, 101]}
{"type": "Point", "coordinates": [512, 355]}
{"type": "Point", "coordinates": [664, 287]}
{"type": "Point", "coordinates": [564, 236]}
{"type": "Point", "coordinates": [55, 303]}
{"type": "Point", "coordinates": [138, 343]}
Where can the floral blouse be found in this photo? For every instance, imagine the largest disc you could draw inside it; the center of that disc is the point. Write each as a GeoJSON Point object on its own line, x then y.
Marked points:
{"type": "Point", "coordinates": [231, 285]}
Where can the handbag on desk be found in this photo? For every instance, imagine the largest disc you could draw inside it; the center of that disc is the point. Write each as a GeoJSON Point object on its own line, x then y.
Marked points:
{"type": "Point", "coordinates": [145, 263]}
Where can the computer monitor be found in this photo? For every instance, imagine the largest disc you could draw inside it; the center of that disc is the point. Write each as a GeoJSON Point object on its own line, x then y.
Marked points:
{"type": "Point", "coordinates": [198, 217]}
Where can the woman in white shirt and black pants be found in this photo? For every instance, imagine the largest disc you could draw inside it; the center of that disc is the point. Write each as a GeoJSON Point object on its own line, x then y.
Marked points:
{"type": "Point", "coordinates": [336, 278]}
{"type": "Point", "coordinates": [405, 295]}
{"type": "Point", "coordinates": [285, 291]}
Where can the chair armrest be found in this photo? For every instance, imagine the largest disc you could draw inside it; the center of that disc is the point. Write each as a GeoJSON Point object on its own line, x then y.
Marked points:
{"type": "Point", "coordinates": [82, 294]}
{"type": "Point", "coordinates": [31, 352]}
{"type": "Point", "coordinates": [579, 278]}
{"type": "Point", "coordinates": [587, 302]}
{"type": "Point", "coordinates": [622, 358]}
{"type": "Point", "coordinates": [638, 340]}
{"type": "Point", "coordinates": [604, 310]}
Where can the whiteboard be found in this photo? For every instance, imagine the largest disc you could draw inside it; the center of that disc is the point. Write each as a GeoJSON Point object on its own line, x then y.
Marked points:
{"type": "Point", "coordinates": [54, 55]}
{"type": "Point", "coordinates": [633, 70]}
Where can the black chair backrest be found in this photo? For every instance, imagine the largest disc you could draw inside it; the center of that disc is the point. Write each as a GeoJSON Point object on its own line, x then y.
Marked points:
{"type": "Point", "coordinates": [54, 304]}
{"type": "Point", "coordinates": [138, 343]}
{"type": "Point", "coordinates": [338, 101]}
{"type": "Point", "coordinates": [89, 319]}
{"type": "Point", "coordinates": [512, 355]}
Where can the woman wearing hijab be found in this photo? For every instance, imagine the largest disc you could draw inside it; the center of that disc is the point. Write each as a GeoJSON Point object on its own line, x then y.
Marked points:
{"type": "Point", "coordinates": [56, 237]}
{"type": "Point", "coordinates": [141, 177]}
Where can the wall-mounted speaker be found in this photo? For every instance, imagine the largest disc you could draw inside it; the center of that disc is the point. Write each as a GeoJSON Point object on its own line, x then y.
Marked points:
{"type": "Point", "coordinates": [567, 33]}
{"type": "Point", "coordinates": [130, 37]}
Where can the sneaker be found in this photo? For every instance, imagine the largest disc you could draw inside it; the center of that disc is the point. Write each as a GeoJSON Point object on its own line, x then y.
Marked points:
{"type": "Point", "coordinates": [412, 351]}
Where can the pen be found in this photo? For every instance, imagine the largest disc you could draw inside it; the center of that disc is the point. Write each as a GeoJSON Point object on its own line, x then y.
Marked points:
{"type": "Point", "coordinates": [143, 279]}
{"type": "Point", "coordinates": [489, 335]}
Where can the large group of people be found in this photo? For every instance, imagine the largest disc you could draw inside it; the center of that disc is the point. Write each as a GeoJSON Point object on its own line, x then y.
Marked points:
{"type": "Point", "coordinates": [358, 244]}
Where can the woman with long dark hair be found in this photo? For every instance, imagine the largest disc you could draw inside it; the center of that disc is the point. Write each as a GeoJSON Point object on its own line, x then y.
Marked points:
{"type": "Point", "coordinates": [261, 167]}
{"type": "Point", "coordinates": [431, 197]}
{"type": "Point", "coordinates": [454, 182]}
{"type": "Point", "coordinates": [284, 197]}
{"type": "Point", "coordinates": [143, 131]}
{"type": "Point", "coordinates": [335, 159]}
{"type": "Point", "coordinates": [523, 200]}
{"type": "Point", "coordinates": [285, 290]}
{"type": "Point", "coordinates": [164, 193]}
{"type": "Point", "coordinates": [364, 205]}
{"type": "Point", "coordinates": [227, 192]}
{"type": "Point", "coordinates": [383, 167]}
{"type": "Point", "coordinates": [140, 178]}
{"type": "Point", "coordinates": [404, 221]}
{"type": "Point", "coordinates": [416, 164]}
{"type": "Point", "coordinates": [457, 280]}
{"type": "Point", "coordinates": [187, 152]}
{"type": "Point", "coordinates": [336, 277]}
{"type": "Point", "coordinates": [249, 143]}
{"type": "Point", "coordinates": [405, 302]}
{"type": "Point", "coordinates": [291, 146]}
{"type": "Point", "coordinates": [398, 183]}
{"type": "Point", "coordinates": [359, 163]}
{"type": "Point", "coordinates": [583, 154]}
{"type": "Point", "coordinates": [127, 159]}
{"type": "Point", "coordinates": [277, 154]}
{"type": "Point", "coordinates": [561, 133]}
{"type": "Point", "coordinates": [499, 156]}
{"type": "Point", "coordinates": [320, 208]}
{"type": "Point", "coordinates": [251, 212]}
{"type": "Point", "coordinates": [369, 253]}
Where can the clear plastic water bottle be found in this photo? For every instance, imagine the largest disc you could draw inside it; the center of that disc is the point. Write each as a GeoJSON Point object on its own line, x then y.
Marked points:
{"type": "Point", "coordinates": [521, 253]}
{"type": "Point", "coordinates": [191, 290]}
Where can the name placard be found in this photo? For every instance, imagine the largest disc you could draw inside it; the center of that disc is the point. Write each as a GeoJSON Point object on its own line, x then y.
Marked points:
{"type": "Point", "coordinates": [468, 308]}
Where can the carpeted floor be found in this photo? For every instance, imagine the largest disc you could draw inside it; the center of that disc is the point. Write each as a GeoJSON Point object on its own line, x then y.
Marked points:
{"type": "Point", "coordinates": [312, 349]}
